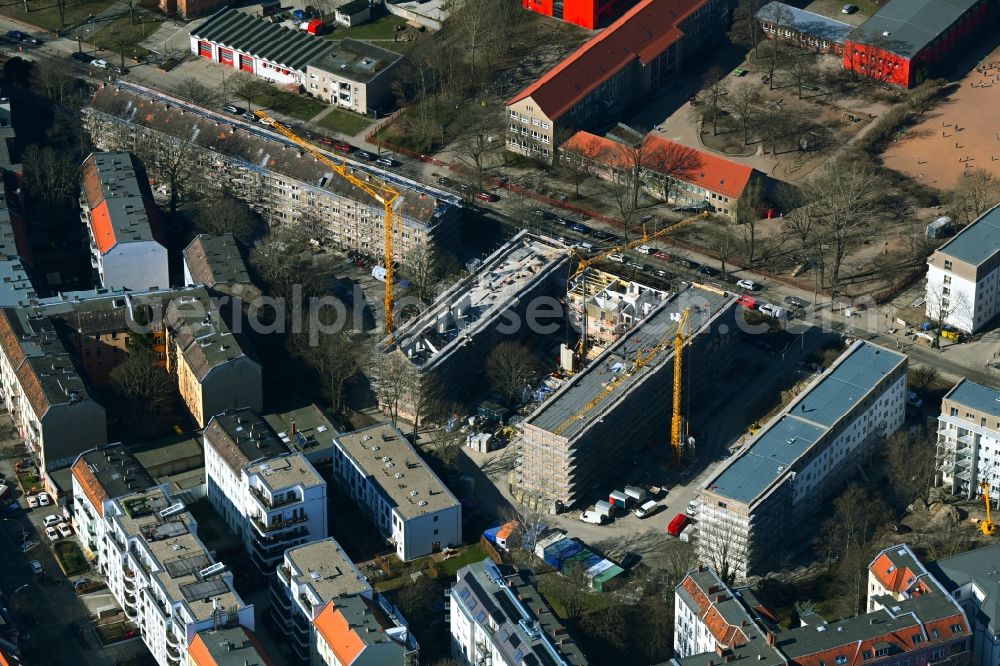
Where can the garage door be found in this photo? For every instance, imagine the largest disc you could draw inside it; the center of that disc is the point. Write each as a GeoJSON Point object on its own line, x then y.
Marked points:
{"type": "Point", "coordinates": [226, 56]}
{"type": "Point", "coordinates": [204, 49]}
{"type": "Point", "coordinates": [246, 63]}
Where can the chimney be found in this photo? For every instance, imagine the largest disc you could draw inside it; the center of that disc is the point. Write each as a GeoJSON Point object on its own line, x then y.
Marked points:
{"type": "Point", "coordinates": [294, 429]}
{"type": "Point", "coordinates": [770, 639]}
{"type": "Point", "coordinates": [718, 649]}
{"type": "Point", "coordinates": [713, 589]}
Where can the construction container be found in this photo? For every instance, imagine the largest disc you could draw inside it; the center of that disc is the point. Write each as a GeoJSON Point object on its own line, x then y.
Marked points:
{"type": "Point", "coordinates": [687, 533]}
{"type": "Point", "coordinates": [636, 493]}
{"type": "Point", "coordinates": [604, 508]}
{"type": "Point", "coordinates": [547, 540]}
{"type": "Point", "coordinates": [619, 500]}
{"type": "Point", "coordinates": [556, 554]}
{"type": "Point", "coordinates": [939, 228]}
{"type": "Point", "coordinates": [677, 525]}
{"type": "Point", "coordinates": [491, 411]}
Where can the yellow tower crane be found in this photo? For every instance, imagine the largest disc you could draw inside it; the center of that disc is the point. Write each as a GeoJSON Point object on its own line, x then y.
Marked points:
{"type": "Point", "coordinates": [376, 188]}
{"type": "Point", "coordinates": [681, 338]}
{"type": "Point", "coordinates": [987, 527]}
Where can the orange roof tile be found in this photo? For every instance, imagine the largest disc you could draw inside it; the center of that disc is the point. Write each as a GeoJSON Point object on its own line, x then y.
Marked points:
{"type": "Point", "coordinates": [643, 33]}
{"type": "Point", "coordinates": [507, 529]}
{"type": "Point", "coordinates": [344, 642]}
{"type": "Point", "coordinates": [104, 229]}
{"type": "Point", "coordinates": [92, 488]}
{"type": "Point", "coordinates": [198, 652]}
{"type": "Point", "coordinates": [701, 168]}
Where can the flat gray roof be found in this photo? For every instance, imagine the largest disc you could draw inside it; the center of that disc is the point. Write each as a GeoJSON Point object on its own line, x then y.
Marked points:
{"type": "Point", "coordinates": [978, 242]}
{"type": "Point", "coordinates": [284, 471]}
{"type": "Point", "coordinates": [805, 22]}
{"type": "Point", "coordinates": [356, 60]}
{"type": "Point", "coordinates": [978, 566]}
{"type": "Point", "coordinates": [234, 646]}
{"type": "Point", "coordinates": [976, 396]}
{"type": "Point", "coordinates": [805, 421]}
{"type": "Point", "coordinates": [326, 568]}
{"type": "Point", "coordinates": [294, 49]}
{"type": "Point", "coordinates": [911, 24]}
{"type": "Point", "coordinates": [561, 411]}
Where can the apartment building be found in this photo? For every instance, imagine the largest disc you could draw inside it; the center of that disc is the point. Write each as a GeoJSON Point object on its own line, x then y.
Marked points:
{"type": "Point", "coordinates": [405, 499]}
{"type": "Point", "coordinates": [355, 75]}
{"type": "Point", "coordinates": [100, 475]}
{"type": "Point", "coordinates": [805, 29]}
{"type": "Point", "coordinates": [684, 176]}
{"type": "Point", "coordinates": [466, 322]}
{"type": "Point", "coordinates": [973, 581]}
{"type": "Point", "coordinates": [921, 624]}
{"type": "Point", "coordinates": [126, 239]}
{"type": "Point", "coordinates": [356, 630]}
{"type": "Point", "coordinates": [968, 440]}
{"type": "Point", "coordinates": [215, 260]}
{"type": "Point", "coordinates": [612, 71]}
{"type": "Point", "coordinates": [589, 14]}
{"type": "Point", "coordinates": [227, 646]}
{"type": "Point", "coordinates": [247, 43]}
{"type": "Point", "coordinates": [582, 436]}
{"type": "Point", "coordinates": [757, 500]}
{"type": "Point", "coordinates": [310, 577]}
{"type": "Point", "coordinates": [305, 430]}
{"type": "Point", "coordinates": [213, 371]}
{"type": "Point", "coordinates": [963, 280]}
{"type": "Point", "coordinates": [46, 397]}
{"type": "Point", "coordinates": [270, 173]}
{"type": "Point", "coordinates": [272, 498]}
{"type": "Point", "coordinates": [612, 305]}
{"type": "Point", "coordinates": [497, 617]}
{"type": "Point", "coordinates": [160, 572]}
{"type": "Point", "coordinates": [16, 288]}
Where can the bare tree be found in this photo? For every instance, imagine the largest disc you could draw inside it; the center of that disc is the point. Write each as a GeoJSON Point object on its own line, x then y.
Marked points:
{"type": "Point", "coordinates": [667, 163]}
{"type": "Point", "coordinates": [50, 174]}
{"type": "Point", "coordinates": [194, 90]}
{"type": "Point", "coordinates": [53, 79]}
{"type": "Point", "coordinates": [747, 216]}
{"type": "Point", "coordinates": [924, 376]}
{"type": "Point", "coordinates": [978, 192]}
{"type": "Point", "coordinates": [511, 368]}
{"type": "Point", "coordinates": [745, 30]}
{"type": "Point", "coordinates": [943, 303]}
{"type": "Point", "coordinates": [910, 466]}
{"type": "Point", "coordinates": [423, 270]}
{"type": "Point", "coordinates": [770, 55]}
{"type": "Point", "coordinates": [394, 379]}
{"type": "Point", "coordinates": [480, 137]}
{"type": "Point", "coordinates": [246, 86]}
{"type": "Point", "coordinates": [144, 387]}
{"type": "Point", "coordinates": [722, 547]}
{"type": "Point", "coordinates": [173, 161]}
{"type": "Point", "coordinates": [335, 356]}
{"type": "Point", "coordinates": [712, 83]}
{"type": "Point", "coordinates": [227, 215]}
{"type": "Point", "coordinates": [722, 239]}
{"type": "Point", "coordinates": [743, 102]}
{"type": "Point", "coordinates": [802, 70]}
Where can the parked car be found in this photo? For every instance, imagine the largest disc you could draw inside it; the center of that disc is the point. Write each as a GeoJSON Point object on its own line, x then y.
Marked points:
{"type": "Point", "coordinates": [634, 265]}
{"type": "Point", "coordinates": [82, 583]}
{"type": "Point", "coordinates": [797, 302]}
{"type": "Point", "coordinates": [749, 285]}
{"type": "Point", "coordinates": [65, 530]}
{"type": "Point", "coordinates": [665, 256]}
{"type": "Point", "coordinates": [708, 270]}
{"type": "Point", "coordinates": [617, 256]}
{"type": "Point", "coordinates": [52, 520]}
{"type": "Point", "coordinates": [487, 196]}
{"type": "Point", "coordinates": [602, 235]}
{"type": "Point", "coordinates": [36, 567]}
{"type": "Point", "coordinates": [645, 249]}
{"type": "Point", "coordinates": [666, 275]}
{"type": "Point", "coordinates": [385, 161]}
{"type": "Point", "coordinates": [52, 534]}
{"type": "Point", "coordinates": [342, 147]}
{"type": "Point", "coordinates": [648, 268]}
{"type": "Point", "coordinates": [544, 214]}
{"type": "Point", "coordinates": [444, 181]}
{"type": "Point", "coordinates": [586, 247]}
{"type": "Point", "coordinates": [848, 9]}
{"type": "Point", "coordinates": [18, 36]}
{"type": "Point", "coordinates": [578, 228]}
{"type": "Point", "coordinates": [914, 399]}
{"type": "Point", "coordinates": [265, 121]}
{"type": "Point", "coordinates": [81, 56]}
{"type": "Point", "coordinates": [773, 310]}
{"type": "Point", "coordinates": [687, 263]}
{"type": "Point", "coordinates": [32, 501]}
{"type": "Point", "coordinates": [692, 508]}
{"type": "Point", "coordinates": [43, 499]}
{"type": "Point", "coordinates": [249, 117]}
{"type": "Point", "coordinates": [363, 155]}
{"type": "Point", "coordinates": [233, 109]}
{"type": "Point", "coordinates": [99, 63]}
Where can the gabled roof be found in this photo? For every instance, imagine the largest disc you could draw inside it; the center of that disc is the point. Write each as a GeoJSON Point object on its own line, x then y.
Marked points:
{"type": "Point", "coordinates": [643, 33]}
{"type": "Point", "coordinates": [121, 208]}
{"type": "Point", "coordinates": [229, 646]}
{"type": "Point", "coordinates": [697, 167]}
{"type": "Point", "coordinates": [294, 49]}
{"type": "Point", "coordinates": [345, 643]}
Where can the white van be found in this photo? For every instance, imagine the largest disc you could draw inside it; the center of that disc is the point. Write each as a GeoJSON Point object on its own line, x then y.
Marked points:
{"type": "Point", "coordinates": [593, 517]}
{"type": "Point", "coordinates": [647, 509]}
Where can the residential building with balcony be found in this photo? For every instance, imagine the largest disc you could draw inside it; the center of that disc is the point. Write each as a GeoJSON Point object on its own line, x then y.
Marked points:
{"type": "Point", "coordinates": [311, 576]}
{"type": "Point", "coordinates": [757, 501]}
{"type": "Point", "coordinates": [497, 617]}
{"type": "Point", "coordinates": [160, 572]}
{"type": "Point", "coordinates": [355, 75]}
{"type": "Point", "coordinates": [356, 630]}
{"type": "Point", "coordinates": [963, 276]}
{"type": "Point", "coordinates": [272, 498]}
{"type": "Point", "coordinates": [912, 619]}
{"type": "Point", "coordinates": [126, 239]}
{"type": "Point", "coordinates": [390, 482]}
{"type": "Point", "coordinates": [213, 371]}
{"type": "Point", "coordinates": [227, 646]}
{"type": "Point", "coordinates": [100, 475]}
{"type": "Point", "coordinates": [968, 440]}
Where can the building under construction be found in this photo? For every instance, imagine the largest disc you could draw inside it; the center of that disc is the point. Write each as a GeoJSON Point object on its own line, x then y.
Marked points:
{"type": "Point", "coordinates": [585, 435]}
{"type": "Point", "coordinates": [613, 305]}
{"type": "Point", "coordinates": [454, 336]}
{"type": "Point", "coordinates": [273, 175]}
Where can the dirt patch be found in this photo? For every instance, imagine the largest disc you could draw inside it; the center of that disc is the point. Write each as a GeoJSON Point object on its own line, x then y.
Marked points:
{"type": "Point", "coordinates": [960, 135]}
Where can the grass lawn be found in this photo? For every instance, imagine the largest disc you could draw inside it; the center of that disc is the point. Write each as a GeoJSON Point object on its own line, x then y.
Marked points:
{"type": "Point", "coordinates": [123, 31]}
{"type": "Point", "coordinates": [553, 589]}
{"type": "Point", "coordinates": [70, 557]}
{"type": "Point", "coordinates": [384, 27]}
{"type": "Point", "coordinates": [344, 122]}
{"type": "Point", "coordinates": [472, 553]}
{"type": "Point", "coordinates": [302, 107]}
{"type": "Point", "coordinates": [45, 13]}
{"type": "Point", "coordinates": [28, 481]}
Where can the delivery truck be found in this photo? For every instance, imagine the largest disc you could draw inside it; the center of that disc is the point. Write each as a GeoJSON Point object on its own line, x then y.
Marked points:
{"type": "Point", "coordinates": [677, 525]}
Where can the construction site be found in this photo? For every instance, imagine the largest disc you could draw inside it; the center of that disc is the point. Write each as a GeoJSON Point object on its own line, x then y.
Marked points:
{"type": "Point", "coordinates": [586, 433]}
{"type": "Point", "coordinates": [468, 320]}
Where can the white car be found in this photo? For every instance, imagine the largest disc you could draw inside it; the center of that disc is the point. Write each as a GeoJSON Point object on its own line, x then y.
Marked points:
{"type": "Point", "coordinates": [749, 285]}
{"type": "Point", "coordinates": [773, 310]}
{"type": "Point", "coordinates": [65, 529]}
{"type": "Point", "coordinates": [43, 499]}
{"type": "Point", "coordinates": [645, 249]}
{"type": "Point", "coordinates": [914, 399]}
{"type": "Point", "coordinates": [617, 256]}
{"type": "Point", "coordinates": [52, 520]}
{"type": "Point", "coordinates": [36, 567]}
{"type": "Point", "coordinates": [32, 501]}
{"type": "Point", "coordinates": [100, 64]}
{"type": "Point", "coordinates": [52, 534]}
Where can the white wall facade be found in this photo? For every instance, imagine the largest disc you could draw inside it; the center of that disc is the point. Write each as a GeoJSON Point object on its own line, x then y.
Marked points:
{"type": "Point", "coordinates": [963, 310]}
{"type": "Point", "coordinates": [985, 643]}
{"type": "Point", "coordinates": [691, 635]}
{"type": "Point", "coordinates": [471, 643]}
{"type": "Point", "coordinates": [225, 490]}
{"type": "Point", "coordinates": [981, 448]}
{"type": "Point", "coordinates": [86, 521]}
{"type": "Point", "coordinates": [418, 536]}
{"type": "Point", "coordinates": [134, 265]}
{"type": "Point", "coordinates": [259, 67]}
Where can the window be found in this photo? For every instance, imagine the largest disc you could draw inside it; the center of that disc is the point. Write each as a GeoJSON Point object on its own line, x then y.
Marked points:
{"type": "Point", "coordinates": [867, 654]}
{"type": "Point", "coordinates": [934, 634]}
{"type": "Point", "coordinates": [956, 628]}
{"type": "Point", "coordinates": [947, 264]}
{"type": "Point", "coordinates": [947, 279]}
{"type": "Point", "coordinates": [841, 660]}
{"type": "Point", "coordinates": [882, 651]}
{"type": "Point", "coordinates": [722, 505]}
{"type": "Point", "coordinates": [917, 639]}
{"type": "Point", "coordinates": [436, 518]}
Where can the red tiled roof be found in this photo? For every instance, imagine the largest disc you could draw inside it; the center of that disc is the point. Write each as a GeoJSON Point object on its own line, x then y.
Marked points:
{"type": "Point", "coordinates": [703, 169]}
{"type": "Point", "coordinates": [897, 579]}
{"type": "Point", "coordinates": [725, 634]}
{"type": "Point", "coordinates": [199, 654]}
{"type": "Point", "coordinates": [104, 229]}
{"type": "Point", "coordinates": [644, 32]}
{"type": "Point", "coordinates": [92, 488]}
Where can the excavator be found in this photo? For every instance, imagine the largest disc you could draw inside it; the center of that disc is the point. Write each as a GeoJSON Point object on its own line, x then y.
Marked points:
{"type": "Point", "coordinates": [987, 527]}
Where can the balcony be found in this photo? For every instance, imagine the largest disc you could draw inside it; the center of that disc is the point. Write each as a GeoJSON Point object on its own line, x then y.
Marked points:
{"type": "Point", "coordinates": [306, 603]}
{"type": "Point", "coordinates": [269, 503]}
{"type": "Point", "coordinates": [284, 575]}
{"type": "Point", "coordinates": [173, 641]}
{"type": "Point", "coordinates": [277, 526]}
{"type": "Point", "coordinates": [131, 612]}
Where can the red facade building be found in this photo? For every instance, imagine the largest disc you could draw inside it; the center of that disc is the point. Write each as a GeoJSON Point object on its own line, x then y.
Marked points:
{"type": "Point", "coordinates": [908, 41]}
{"type": "Point", "coordinates": [589, 14]}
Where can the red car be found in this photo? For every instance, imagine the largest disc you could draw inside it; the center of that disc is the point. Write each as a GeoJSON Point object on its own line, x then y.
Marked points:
{"type": "Point", "coordinates": [342, 147]}
{"type": "Point", "coordinates": [660, 254]}
{"type": "Point", "coordinates": [487, 196]}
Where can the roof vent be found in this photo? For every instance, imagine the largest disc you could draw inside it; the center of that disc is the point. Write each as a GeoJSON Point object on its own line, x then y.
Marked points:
{"type": "Point", "coordinates": [422, 503]}
{"type": "Point", "coordinates": [885, 33]}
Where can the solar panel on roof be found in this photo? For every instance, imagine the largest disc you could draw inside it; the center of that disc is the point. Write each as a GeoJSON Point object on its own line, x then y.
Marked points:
{"type": "Point", "coordinates": [184, 566]}
{"type": "Point", "coordinates": [204, 590]}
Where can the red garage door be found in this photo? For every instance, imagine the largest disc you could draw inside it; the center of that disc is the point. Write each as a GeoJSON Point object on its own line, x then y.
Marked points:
{"type": "Point", "coordinates": [204, 49]}
{"type": "Point", "coordinates": [226, 56]}
{"type": "Point", "coordinates": [246, 63]}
